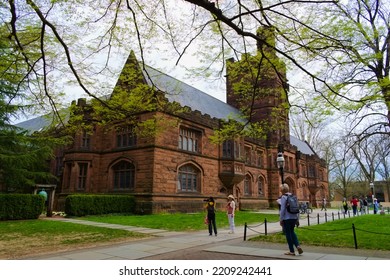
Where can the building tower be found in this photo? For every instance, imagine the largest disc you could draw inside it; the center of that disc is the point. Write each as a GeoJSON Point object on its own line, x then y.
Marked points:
{"type": "Point", "coordinates": [257, 85]}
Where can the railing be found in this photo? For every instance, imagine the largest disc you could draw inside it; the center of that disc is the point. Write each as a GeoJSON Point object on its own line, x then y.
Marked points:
{"type": "Point", "coordinates": [325, 215]}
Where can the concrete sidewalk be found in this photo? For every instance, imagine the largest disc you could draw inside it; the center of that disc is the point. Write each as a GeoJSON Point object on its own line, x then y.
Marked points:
{"type": "Point", "coordinates": [168, 243]}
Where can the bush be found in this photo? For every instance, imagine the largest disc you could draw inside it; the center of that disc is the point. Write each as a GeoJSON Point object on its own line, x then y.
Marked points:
{"type": "Point", "coordinates": [21, 206]}
{"type": "Point", "coordinates": [81, 205]}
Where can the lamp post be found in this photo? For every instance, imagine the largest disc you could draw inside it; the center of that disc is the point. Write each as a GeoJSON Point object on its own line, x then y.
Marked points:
{"type": "Point", "coordinates": [372, 191]}
{"type": "Point", "coordinates": [280, 164]}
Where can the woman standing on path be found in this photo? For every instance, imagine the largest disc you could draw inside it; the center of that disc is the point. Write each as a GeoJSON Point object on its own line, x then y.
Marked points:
{"type": "Point", "coordinates": [289, 221]}
{"type": "Point", "coordinates": [231, 207]}
{"type": "Point", "coordinates": [210, 207]}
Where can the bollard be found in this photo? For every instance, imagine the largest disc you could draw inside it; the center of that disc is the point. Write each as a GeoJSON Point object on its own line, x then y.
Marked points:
{"type": "Point", "coordinates": [318, 218]}
{"type": "Point", "coordinates": [308, 220]}
{"type": "Point", "coordinates": [338, 214]}
{"type": "Point", "coordinates": [332, 216]}
{"type": "Point", "coordinates": [245, 232]}
{"type": "Point", "coordinates": [326, 217]}
{"type": "Point", "coordinates": [265, 226]}
{"type": "Point", "coordinates": [354, 235]}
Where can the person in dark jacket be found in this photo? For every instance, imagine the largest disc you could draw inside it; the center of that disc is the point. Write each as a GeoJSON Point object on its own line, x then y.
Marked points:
{"type": "Point", "coordinates": [210, 207]}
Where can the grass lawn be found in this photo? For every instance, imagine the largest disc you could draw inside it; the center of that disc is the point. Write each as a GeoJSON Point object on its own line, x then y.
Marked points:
{"type": "Point", "coordinates": [182, 222]}
{"type": "Point", "coordinates": [20, 239]}
{"type": "Point", "coordinates": [372, 232]}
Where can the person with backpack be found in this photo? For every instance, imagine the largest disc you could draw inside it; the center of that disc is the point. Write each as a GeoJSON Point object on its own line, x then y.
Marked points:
{"type": "Point", "coordinates": [210, 207]}
{"type": "Point", "coordinates": [345, 205]}
{"type": "Point", "coordinates": [289, 218]}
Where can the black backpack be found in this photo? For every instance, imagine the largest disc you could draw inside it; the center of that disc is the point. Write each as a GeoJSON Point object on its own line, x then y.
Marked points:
{"type": "Point", "coordinates": [292, 204]}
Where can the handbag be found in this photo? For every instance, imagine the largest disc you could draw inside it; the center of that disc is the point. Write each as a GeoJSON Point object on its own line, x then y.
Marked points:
{"type": "Point", "coordinates": [206, 220]}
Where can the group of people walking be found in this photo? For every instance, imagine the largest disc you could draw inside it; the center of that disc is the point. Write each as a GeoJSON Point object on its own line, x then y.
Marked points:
{"type": "Point", "coordinates": [361, 204]}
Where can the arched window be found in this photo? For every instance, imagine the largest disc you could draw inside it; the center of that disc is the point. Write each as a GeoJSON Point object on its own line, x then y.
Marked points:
{"type": "Point", "coordinates": [188, 180]}
{"type": "Point", "coordinates": [247, 185]}
{"type": "Point", "coordinates": [124, 176]}
{"type": "Point", "coordinates": [260, 186]}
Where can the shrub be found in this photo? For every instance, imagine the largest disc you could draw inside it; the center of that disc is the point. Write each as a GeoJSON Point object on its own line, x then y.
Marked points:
{"type": "Point", "coordinates": [21, 206]}
{"type": "Point", "coordinates": [81, 205]}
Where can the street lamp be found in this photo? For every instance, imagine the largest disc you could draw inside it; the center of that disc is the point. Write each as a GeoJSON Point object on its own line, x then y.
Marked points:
{"type": "Point", "coordinates": [372, 191]}
{"type": "Point", "coordinates": [280, 164]}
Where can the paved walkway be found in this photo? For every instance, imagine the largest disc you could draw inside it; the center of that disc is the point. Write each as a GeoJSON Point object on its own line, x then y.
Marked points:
{"type": "Point", "coordinates": [168, 245]}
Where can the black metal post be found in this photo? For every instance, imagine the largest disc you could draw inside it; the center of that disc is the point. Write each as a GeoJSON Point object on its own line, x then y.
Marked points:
{"type": "Point", "coordinates": [308, 220]}
{"type": "Point", "coordinates": [354, 235]}
{"type": "Point", "coordinates": [265, 226]}
{"type": "Point", "coordinates": [245, 232]}
{"type": "Point", "coordinates": [282, 174]}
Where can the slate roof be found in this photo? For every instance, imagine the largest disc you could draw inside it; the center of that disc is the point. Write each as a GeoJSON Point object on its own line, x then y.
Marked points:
{"type": "Point", "coordinates": [35, 124]}
{"type": "Point", "coordinates": [302, 146]}
{"type": "Point", "coordinates": [185, 95]}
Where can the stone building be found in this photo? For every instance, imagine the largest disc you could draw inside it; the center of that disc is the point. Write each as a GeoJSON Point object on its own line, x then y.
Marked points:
{"type": "Point", "coordinates": [179, 167]}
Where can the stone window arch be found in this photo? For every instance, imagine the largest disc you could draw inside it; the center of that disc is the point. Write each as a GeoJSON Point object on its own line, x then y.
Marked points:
{"type": "Point", "coordinates": [248, 185]}
{"type": "Point", "coordinates": [188, 178]}
{"type": "Point", "coordinates": [260, 186]}
{"type": "Point", "coordinates": [123, 175]}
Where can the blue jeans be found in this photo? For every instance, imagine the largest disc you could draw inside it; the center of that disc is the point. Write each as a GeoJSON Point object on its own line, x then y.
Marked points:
{"type": "Point", "coordinates": [291, 237]}
{"type": "Point", "coordinates": [354, 208]}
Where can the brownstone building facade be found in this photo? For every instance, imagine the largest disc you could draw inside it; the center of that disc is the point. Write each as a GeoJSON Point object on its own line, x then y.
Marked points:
{"type": "Point", "coordinates": [179, 167]}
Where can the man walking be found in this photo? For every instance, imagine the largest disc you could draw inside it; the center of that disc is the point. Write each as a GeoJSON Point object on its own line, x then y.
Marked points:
{"type": "Point", "coordinates": [288, 221]}
{"type": "Point", "coordinates": [354, 203]}
{"type": "Point", "coordinates": [323, 204]}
